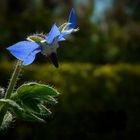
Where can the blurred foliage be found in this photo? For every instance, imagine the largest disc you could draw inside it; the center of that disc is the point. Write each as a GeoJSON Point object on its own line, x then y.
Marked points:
{"type": "Point", "coordinates": [101, 102]}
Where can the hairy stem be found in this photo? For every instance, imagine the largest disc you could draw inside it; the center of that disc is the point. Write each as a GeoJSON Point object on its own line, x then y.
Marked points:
{"type": "Point", "coordinates": [10, 89]}
{"type": "Point", "coordinates": [13, 80]}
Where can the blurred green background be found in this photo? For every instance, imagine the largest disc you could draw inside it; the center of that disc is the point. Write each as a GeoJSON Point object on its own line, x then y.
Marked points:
{"type": "Point", "coordinates": [99, 74]}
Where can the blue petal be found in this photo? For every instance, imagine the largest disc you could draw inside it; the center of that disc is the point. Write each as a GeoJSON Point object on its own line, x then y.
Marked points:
{"type": "Point", "coordinates": [61, 38]}
{"type": "Point", "coordinates": [72, 19]}
{"type": "Point", "coordinates": [52, 34]}
{"type": "Point", "coordinates": [23, 49]}
{"type": "Point", "coordinates": [63, 34]}
{"type": "Point", "coordinates": [31, 57]}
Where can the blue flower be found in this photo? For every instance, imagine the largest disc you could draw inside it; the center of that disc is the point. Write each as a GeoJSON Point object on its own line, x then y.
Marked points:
{"type": "Point", "coordinates": [46, 44]}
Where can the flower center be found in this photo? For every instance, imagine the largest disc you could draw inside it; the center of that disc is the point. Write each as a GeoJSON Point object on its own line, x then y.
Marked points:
{"type": "Point", "coordinates": [47, 49]}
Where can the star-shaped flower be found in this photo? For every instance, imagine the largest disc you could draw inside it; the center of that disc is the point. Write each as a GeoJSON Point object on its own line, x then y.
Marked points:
{"type": "Point", "coordinates": [46, 44]}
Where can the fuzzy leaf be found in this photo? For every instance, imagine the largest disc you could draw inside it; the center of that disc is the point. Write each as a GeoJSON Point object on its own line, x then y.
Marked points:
{"type": "Point", "coordinates": [10, 103]}
{"type": "Point", "coordinates": [6, 121]}
{"type": "Point", "coordinates": [51, 100]}
{"type": "Point", "coordinates": [28, 116]}
{"type": "Point", "coordinates": [44, 110]}
{"type": "Point", "coordinates": [35, 90]}
{"type": "Point", "coordinates": [32, 97]}
{"type": "Point", "coordinates": [31, 105]}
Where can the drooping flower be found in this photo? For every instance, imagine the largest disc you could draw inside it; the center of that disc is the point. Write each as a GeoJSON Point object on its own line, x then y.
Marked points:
{"type": "Point", "coordinates": [46, 44]}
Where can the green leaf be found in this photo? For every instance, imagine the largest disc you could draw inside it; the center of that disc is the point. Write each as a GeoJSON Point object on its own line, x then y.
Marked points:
{"type": "Point", "coordinates": [51, 100]}
{"type": "Point", "coordinates": [11, 104]}
{"type": "Point", "coordinates": [31, 105]}
{"type": "Point", "coordinates": [35, 90]}
{"type": "Point", "coordinates": [28, 116]}
{"type": "Point", "coordinates": [20, 112]}
{"type": "Point", "coordinates": [44, 110]}
{"type": "Point", "coordinates": [32, 97]}
{"type": "Point", "coordinates": [7, 120]}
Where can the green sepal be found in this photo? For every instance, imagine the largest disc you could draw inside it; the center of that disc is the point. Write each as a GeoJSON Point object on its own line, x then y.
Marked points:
{"type": "Point", "coordinates": [63, 26]}
{"type": "Point", "coordinates": [35, 38]}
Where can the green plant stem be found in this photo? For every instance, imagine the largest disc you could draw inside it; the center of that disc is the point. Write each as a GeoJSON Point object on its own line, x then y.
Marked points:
{"type": "Point", "coordinates": [2, 114]}
{"type": "Point", "coordinates": [13, 80]}
{"type": "Point", "coordinates": [10, 88]}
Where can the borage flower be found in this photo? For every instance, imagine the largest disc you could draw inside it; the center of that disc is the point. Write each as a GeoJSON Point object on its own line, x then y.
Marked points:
{"type": "Point", "coordinates": [26, 51]}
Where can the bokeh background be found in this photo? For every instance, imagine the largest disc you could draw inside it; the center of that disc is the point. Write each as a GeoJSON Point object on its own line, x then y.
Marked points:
{"type": "Point", "coordinates": [99, 73]}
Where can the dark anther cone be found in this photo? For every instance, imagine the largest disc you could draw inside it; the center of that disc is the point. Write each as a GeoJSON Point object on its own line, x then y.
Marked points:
{"type": "Point", "coordinates": [53, 58]}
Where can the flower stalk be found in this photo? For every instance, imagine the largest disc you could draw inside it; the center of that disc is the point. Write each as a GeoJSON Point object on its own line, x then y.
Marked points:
{"type": "Point", "coordinates": [10, 88]}
{"type": "Point", "coordinates": [13, 80]}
